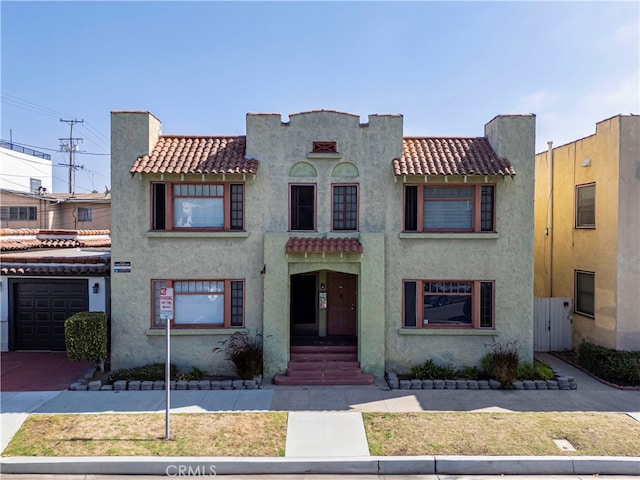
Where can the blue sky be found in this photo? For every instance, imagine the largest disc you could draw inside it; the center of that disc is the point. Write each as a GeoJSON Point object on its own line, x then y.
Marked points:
{"type": "Point", "coordinates": [448, 67]}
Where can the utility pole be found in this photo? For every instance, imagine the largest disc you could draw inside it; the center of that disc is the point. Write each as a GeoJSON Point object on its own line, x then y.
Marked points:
{"type": "Point", "coordinates": [71, 147]}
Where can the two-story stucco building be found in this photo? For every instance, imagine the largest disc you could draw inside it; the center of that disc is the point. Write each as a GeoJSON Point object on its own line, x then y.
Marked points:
{"type": "Point", "coordinates": [322, 227]}
{"type": "Point", "coordinates": [587, 231]}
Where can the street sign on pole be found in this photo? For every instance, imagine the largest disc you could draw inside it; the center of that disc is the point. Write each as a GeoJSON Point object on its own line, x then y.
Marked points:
{"type": "Point", "coordinates": [166, 314]}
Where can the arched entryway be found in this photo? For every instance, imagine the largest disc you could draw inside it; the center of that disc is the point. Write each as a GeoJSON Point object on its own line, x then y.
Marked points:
{"type": "Point", "coordinates": [324, 306]}
{"type": "Point", "coordinates": [324, 325]}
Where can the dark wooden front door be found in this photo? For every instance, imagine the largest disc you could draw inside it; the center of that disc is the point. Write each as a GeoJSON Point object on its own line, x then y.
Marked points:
{"type": "Point", "coordinates": [341, 304]}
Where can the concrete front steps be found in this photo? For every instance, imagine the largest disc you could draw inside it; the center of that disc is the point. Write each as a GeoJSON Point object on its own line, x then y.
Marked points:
{"type": "Point", "coordinates": [324, 365]}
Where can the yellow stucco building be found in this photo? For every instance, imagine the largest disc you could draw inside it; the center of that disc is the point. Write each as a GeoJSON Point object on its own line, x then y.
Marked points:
{"type": "Point", "coordinates": [587, 231]}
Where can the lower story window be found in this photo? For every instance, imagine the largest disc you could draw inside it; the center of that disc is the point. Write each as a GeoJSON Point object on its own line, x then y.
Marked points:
{"type": "Point", "coordinates": [19, 213]}
{"type": "Point", "coordinates": [585, 293]}
{"type": "Point", "coordinates": [448, 304]}
{"type": "Point", "coordinates": [201, 303]}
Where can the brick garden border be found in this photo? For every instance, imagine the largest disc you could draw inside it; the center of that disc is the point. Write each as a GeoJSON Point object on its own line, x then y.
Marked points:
{"type": "Point", "coordinates": [561, 382]}
{"type": "Point", "coordinates": [86, 384]}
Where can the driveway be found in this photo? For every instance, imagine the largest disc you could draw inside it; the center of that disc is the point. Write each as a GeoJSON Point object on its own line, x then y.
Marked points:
{"type": "Point", "coordinates": [39, 371]}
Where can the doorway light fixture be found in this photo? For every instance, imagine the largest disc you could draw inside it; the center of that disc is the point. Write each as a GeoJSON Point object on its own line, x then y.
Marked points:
{"type": "Point", "coordinates": [96, 287]}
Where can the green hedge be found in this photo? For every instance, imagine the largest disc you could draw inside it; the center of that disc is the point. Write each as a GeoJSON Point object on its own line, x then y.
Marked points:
{"type": "Point", "coordinates": [86, 337]}
{"type": "Point", "coordinates": [617, 366]}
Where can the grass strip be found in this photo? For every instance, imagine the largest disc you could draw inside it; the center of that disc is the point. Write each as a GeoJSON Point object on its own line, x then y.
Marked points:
{"type": "Point", "coordinates": [471, 433]}
{"type": "Point", "coordinates": [202, 434]}
{"type": "Point", "coordinates": [264, 434]}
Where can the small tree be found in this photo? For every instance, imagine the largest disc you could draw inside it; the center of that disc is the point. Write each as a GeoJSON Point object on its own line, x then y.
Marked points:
{"type": "Point", "coordinates": [85, 335]}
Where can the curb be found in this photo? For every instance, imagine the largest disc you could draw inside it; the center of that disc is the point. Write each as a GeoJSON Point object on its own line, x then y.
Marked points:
{"type": "Point", "coordinates": [426, 465]}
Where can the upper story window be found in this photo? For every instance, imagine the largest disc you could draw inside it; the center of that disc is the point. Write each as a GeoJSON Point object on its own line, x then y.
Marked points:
{"type": "Point", "coordinates": [586, 206]}
{"type": "Point", "coordinates": [448, 304]}
{"type": "Point", "coordinates": [584, 293]}
{"type": "Point", "coordinates": [18, 213]}
{"type": "Point", "coordinates": [84, 214]}
{"type": "Point", "coordinates": [345, 207]}
{"type": "Point", "coordinates": [185, 206]}
{"type": "Point", "coordinates": [201, 303]}
{"type": "Point", "coordinates": [302, 207]}
{"type": "Point", "coordinates": [451, 208]}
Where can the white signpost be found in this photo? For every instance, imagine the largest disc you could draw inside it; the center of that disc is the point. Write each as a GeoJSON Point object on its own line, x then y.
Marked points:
{"type": "Point", "coordinates": [166, 314]}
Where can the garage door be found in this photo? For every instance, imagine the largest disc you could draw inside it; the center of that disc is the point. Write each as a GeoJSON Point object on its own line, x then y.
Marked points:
{"type": "Point", "coordinates": [40, 308]}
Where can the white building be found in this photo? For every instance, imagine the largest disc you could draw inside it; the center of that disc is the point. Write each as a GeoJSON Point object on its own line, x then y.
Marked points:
{"type": "Point", "coordinates": [24, 169]}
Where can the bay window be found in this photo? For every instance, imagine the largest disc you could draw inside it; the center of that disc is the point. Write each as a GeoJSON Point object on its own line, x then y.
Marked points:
{"type": "Point", "coordinates": [448, 304]}
{"type": "Point", "coordinates": [449, 208]}
{"type": "Point", "coordinates": [197, 206]}
{"type": "Point", "coordinates": [201, 303]}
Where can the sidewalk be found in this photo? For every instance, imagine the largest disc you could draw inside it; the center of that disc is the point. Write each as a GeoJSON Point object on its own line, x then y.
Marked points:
{"type": "Point", "coordinates": [325, 431]}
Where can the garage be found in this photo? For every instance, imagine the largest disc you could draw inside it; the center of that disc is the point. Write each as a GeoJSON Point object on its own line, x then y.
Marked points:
{"type": "Point", "coordinates": [40, 308]}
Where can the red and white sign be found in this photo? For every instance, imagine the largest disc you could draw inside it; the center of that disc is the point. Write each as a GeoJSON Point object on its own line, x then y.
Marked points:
{"type": "Point", "coordinates": [166, 303]}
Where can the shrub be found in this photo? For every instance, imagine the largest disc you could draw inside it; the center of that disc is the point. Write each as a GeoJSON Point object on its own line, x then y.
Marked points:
{"type": "Point", "coordinates": [245, 352]}
{"type": "Point", "coordinates": [433, 371]}
{"type": "Point", "coordinates": [534, 371]}
{"type": "Point", "coordinates": [85, 335]}
{"type": "Point", "coordinates": [151, 372]}
{"type": "Point", "coordinates": [156, 371]}
{"type": "Point", "coordinates": [617, 366]}
{"type": "Point", "coordinates": [504, 361]}
{"type": "Point", "coordinates": [487, 365]}
{"type": "Point", "coordinates": [543, 372]}
{"type": "Point", "coordinates": [194, 374]}
{"type": "Point", "coordinates": [469, 373]}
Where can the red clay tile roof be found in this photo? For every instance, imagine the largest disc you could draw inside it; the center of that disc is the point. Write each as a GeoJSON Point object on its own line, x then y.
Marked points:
{"type": "Point", "coordinates": [195, 154]}
{"type": "Point", "coordinates": [45, 264]}
{"type": "Point", "coordinates": [92, 260]}
{"type": "Point", "coordinates": [450, 156]}
{"type": "Point", "coordinates": [56, 270]}
{"type": "Point", "coordinates": [323, 245]}
{"type": "Point", "coordinates": [12, 239]}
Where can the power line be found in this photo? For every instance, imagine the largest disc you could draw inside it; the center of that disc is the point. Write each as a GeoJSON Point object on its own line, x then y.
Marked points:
{"type": "Point", "coordinates": [79, 152]}
{"type": "Point", "coordinates": [32, 106]}
{"type": "Point", "coordinates": [50, 112]}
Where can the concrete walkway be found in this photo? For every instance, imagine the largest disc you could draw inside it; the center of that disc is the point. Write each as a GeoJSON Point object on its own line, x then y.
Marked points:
{"type": "Point", "coordinates": [326, 434]}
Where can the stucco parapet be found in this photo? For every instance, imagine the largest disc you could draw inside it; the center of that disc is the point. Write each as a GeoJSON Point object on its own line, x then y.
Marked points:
{"type": "Point", "coordinates": [449, 235]}
{"type": "Point", "coordinates": [197, 234]}
{"type": "Point", "coordinates": [194, 331]}
{"type": "Point", "coordinates": [447, 332]}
